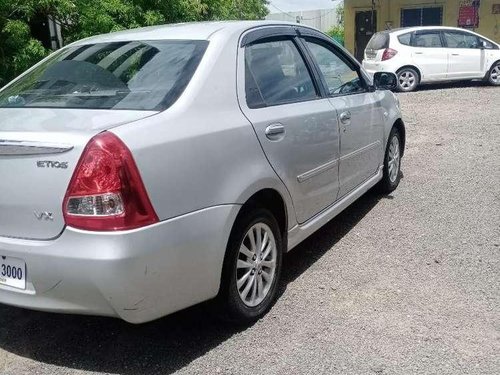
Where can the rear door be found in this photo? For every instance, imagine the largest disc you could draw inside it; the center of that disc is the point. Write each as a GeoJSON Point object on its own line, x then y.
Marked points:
{"type": "Point", "coordinates": [359, 110]}
{"type": "Point", "coordinates": [429, 55]}
{"type": "Point", "coordinates": [297, 127]}
{"type": "Point", "coordinates": [465, 57]}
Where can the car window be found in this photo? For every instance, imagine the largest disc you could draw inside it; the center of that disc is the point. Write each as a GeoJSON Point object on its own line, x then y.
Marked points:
{"type": "Point", "coordinates": [276, 74]}
{"type": "Point", "coordinates": [457, 39]}
{"type": "Point", "coordinates": [405, 39]}
{"type": "Point", "coordinates": [340, 78]}
{"type": "Point", "coordinates": [379, 41]}
{"type": "Point", "coordinates": [431, 39]}
{"type": "Point", "coordinates": [134, 75]}
{"type": "Point", "coordinates": [488, 44]}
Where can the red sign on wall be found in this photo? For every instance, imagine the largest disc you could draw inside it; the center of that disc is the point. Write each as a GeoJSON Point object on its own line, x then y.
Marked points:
{"type": "Point", "coordinates": [468, 13]}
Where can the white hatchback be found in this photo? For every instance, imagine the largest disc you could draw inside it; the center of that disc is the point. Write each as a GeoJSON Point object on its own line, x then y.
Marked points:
{"type": "Point", "coordinates": [430, 54]}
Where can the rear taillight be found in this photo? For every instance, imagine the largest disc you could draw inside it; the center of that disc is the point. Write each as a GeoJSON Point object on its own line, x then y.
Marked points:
{"type": "Point", "coordinates": [389, 53]}
{"type": "Point", "coordinates": [106, 192]}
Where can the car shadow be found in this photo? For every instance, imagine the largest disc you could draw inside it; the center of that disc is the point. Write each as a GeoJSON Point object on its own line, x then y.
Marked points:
{"type": "Point", "coordinates": [164, 346]}
{"type": "Point", "coordinates": [451, 85]}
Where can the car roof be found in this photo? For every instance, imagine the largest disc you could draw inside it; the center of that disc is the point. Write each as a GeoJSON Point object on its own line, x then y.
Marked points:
{"type": "Point", "coordinates": [181, 31]}
{"type": "Point", "coordinates": [403, 30]}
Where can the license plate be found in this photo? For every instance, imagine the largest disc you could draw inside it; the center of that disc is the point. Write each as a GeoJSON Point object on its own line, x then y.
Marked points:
{"type": "Point", "coordinates": [12, 272]}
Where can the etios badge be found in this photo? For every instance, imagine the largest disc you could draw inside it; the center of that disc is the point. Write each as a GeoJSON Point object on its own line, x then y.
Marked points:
{"type": "Point", "coordinates": [52, 164]}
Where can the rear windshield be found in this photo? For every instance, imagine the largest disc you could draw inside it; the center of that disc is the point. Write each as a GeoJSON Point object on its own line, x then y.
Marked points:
{"type": "Point", "coordinates": [379, 41]}
{"type": "Point", "coordinates": [136, 75]}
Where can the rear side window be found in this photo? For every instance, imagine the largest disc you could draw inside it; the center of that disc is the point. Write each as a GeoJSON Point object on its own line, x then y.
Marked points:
{"type": "Point", "coordinates": [379, 41]}
{"type": "Point", "coordinates": [135, 75]}
{"type": "Point", "coordinates": [276, 74]}
{"type": "Point", "coordinates": [430, 39]}
{"type": "Point", "coordinates": [405, 39]}
{"type": "Point", "coordinates": [457, 39]}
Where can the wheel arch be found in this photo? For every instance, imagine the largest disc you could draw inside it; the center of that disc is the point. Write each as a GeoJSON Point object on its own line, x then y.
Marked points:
{"type": "Point", "coordinates": [411, 67]}
{"type": "Point", "coordinates": [487, 75]}
{"type": "Point", "coordinates": [273, 201]}
{"type": "Point", "coordinates": [400, 126]}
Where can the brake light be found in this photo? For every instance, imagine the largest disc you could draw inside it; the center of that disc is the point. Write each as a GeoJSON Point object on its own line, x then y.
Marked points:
{"type": "Point", "coordinates": [389, 53]}
{"type": "Point", "coordinates": [106, 192]}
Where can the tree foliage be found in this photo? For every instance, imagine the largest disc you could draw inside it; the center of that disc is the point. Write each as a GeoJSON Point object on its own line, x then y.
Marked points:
{"type": "Point", "coordinates": [337, 31]}
{"type": "Point", "coordinates": [82, 18]}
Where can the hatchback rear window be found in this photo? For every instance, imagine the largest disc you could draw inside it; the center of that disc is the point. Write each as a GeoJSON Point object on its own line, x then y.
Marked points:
{"type": "Point", "coordinates": [379, 41]}
{"type": "Point", "coordinates": [135, 75]}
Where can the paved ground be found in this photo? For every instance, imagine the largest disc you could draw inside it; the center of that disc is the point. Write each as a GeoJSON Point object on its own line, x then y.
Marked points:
{"type": "Point", "coordinates": [406, 284]}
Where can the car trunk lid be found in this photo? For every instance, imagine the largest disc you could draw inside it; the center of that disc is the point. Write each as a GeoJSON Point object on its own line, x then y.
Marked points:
{"type": "Point", "coordinates": [39, 150]}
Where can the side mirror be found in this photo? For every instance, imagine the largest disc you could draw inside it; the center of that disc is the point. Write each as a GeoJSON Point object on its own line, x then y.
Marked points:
{"type": "Point", "coordinates": [385, 81]}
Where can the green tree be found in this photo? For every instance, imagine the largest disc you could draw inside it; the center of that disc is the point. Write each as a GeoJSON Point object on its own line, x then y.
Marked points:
{"type": "Point", "coordinates": [337, 32]}
{"type": "Point", "coordinates": [83, 18]}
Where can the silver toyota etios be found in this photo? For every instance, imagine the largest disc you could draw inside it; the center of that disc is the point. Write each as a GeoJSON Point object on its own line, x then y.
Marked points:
{"type": "Point", "coordinates": [145, 171]}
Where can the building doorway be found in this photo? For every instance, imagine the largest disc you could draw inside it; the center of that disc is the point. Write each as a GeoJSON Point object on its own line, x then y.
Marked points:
{"type": "Point", "coordinates": [428, 16]}
{"type": "Point", "coordinates": [366, 26]}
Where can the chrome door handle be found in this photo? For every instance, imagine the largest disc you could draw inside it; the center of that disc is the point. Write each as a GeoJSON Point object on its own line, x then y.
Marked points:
{"type": "Point", "coordinates": [455, 54]}
{"type": "Point", "coordinates": [345, 117]}
{"type": "Point", "coordinates": [274, 130]}
{"type": "Point", "coordinates": [419, 53]}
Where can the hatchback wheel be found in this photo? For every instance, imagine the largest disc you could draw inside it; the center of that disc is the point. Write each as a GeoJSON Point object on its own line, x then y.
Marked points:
{"type": "Point", "coordinates": [407, 80]}
{"type": "Point", "coordinates": [392, 163]}
{"type": "Point", "coordinates": [252, 267]}
{"type": "Point", "coordinates": [494, 74]}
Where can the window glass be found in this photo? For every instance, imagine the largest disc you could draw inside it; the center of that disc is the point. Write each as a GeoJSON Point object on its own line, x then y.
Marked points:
{"type": "Point", "coordinates": [135, 75]}
{"type": "Point", "coordinates": [405, 39]}
{"type": "Point", "coordinates": [379, 41]}
{"type": "Point", "coordinates": [456, 39]}
{"type": "Point", "coordinates": [276, 74]}
{"type": "Point", "coordinates": [340, 77]}
{"type": "Point", "coordinates": [430, 40]}
{"type": "Point", "coordinates": [487, 44]}
{"type": "Point", "coordinates": [428, 16]}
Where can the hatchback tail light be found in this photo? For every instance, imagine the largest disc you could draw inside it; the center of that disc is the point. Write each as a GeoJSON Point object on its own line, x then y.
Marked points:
{"type": "Point", "coordinates": [389, 53]}
{"type": "Point", "coordinates": [106, 192]}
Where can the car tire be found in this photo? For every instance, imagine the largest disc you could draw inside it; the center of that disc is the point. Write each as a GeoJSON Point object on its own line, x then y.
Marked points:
{"type": "Point", "coordinates": [494, 74]}
{"type": "Point", "coordinates": [408, 79]}
{"type": "Point", "coordinates": [243, 259]}
{"type": "Point", "coordinates": [392, 159]}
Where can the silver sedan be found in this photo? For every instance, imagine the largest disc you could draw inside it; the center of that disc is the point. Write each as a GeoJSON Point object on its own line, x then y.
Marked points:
{"type": "Point", "coordinates": [148, 170]}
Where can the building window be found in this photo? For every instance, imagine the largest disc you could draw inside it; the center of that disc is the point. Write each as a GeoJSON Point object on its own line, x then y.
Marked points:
{"type": "Point", "coordinates": [429, 16]}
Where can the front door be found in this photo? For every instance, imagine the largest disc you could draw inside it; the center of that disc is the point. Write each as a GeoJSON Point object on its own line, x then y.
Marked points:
{"type": "Point", "coordinates": [366, 26]}
{"type": "Point", "coordinates": [297, 129]}
{"type": "Point", "coordinates": [360, 115]}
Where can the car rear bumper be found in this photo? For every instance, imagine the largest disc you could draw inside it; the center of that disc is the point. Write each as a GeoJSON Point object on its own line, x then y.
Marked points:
{"type": "Point", "coordinates": [137, 275]}
{"type": "Point", "coordinates": [372, 67]}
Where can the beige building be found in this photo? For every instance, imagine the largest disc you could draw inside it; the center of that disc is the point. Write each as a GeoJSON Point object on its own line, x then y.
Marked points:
{"type": "Point", "coordinates": [364, 17]}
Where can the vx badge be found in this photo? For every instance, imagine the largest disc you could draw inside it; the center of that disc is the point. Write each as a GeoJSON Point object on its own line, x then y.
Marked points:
{"type": "Point", "coordinates": [47, 216]}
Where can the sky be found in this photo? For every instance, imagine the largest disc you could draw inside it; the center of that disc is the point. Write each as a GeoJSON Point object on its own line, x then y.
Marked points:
{"type": "Point", "coordinates": [294, 5]}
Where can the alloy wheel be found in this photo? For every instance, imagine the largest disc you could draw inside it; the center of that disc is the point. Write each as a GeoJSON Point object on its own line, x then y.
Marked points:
{"type": "Point", "coordinates": [495, 74]}
{"type": "Point", "coordinates": [256, 264]}
{"type": "Point", "coordinates": [394, 159]}
{"type": "Point", "coordinates": [407, 80]}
